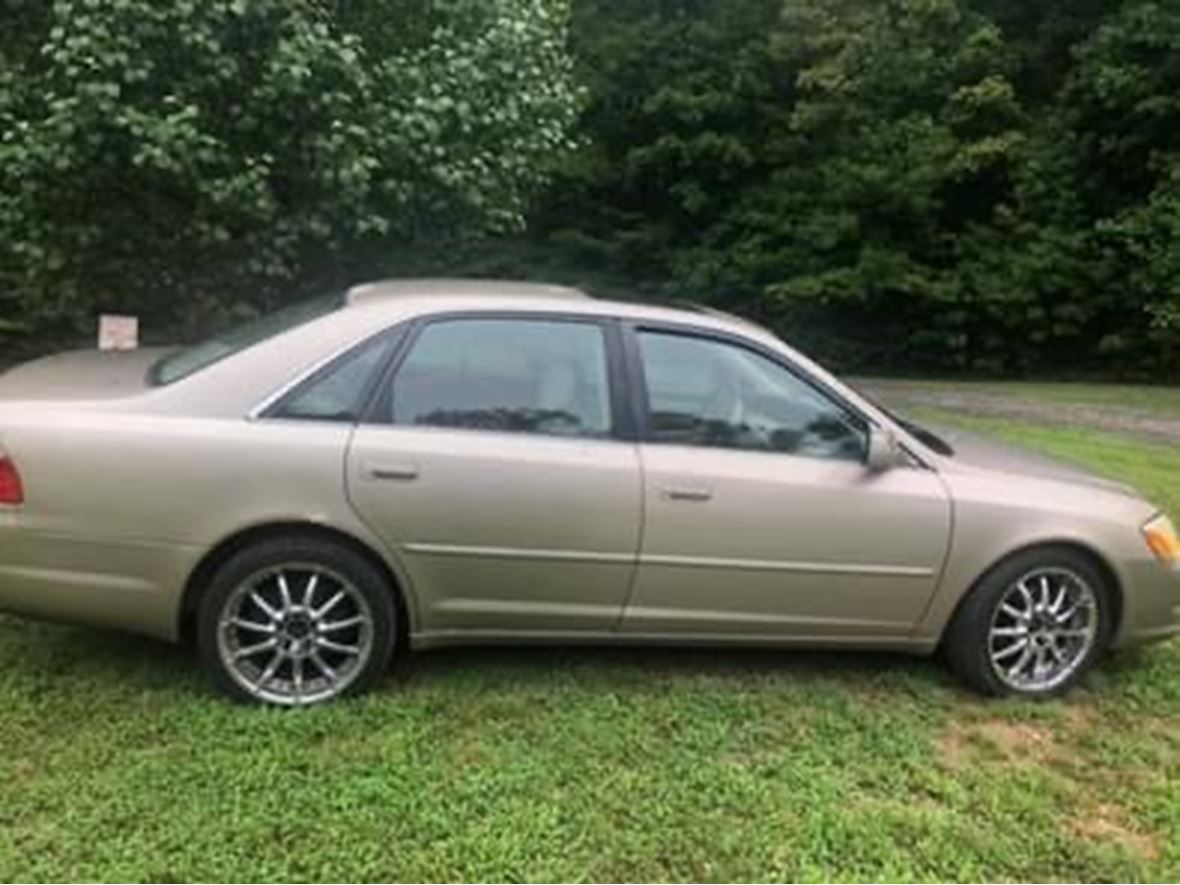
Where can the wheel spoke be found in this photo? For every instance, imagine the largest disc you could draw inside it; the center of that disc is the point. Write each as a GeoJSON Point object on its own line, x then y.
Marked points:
{"type": "Point", "coordinates": [336, 626]}
{"type": "Point", "coordinates": [1019, 630]}
{"type": "Point", "coordinates": [1041, 665]}
{"type": "Point", "coordinates": [1045, 591]}
{"type": "Point", "coordinates": [284, 591]}
{"type": "Point", "coordinates": [329, 645]}
{"type": "Point", "coordinates": [309, 590]}
{"type": "Point", "coordinates": [1061, 594]}
{"type": "Point", "coordinates": [328, 606]}
{"type": "Point", "coordinates": [1026, 596]}
{"type": "Point", "coordinates": [269, 673]}
{"type": "Point", "coordinates": [1013, 612]}
{"type": "Point", "coordinates": [253, 626]}
{"type": "Point", "coordinates": [1025, 657]}
{"type": "Point", "coordinates": [269, 610]}
{"type": "Point", "coordinates": [1010, 650]}
{"type": "Point", "coordinates": [319, 661]}
{"type": "Point", "coordinates": [297, 676]}
{"type": "Point", "coordinates": [251, 650]}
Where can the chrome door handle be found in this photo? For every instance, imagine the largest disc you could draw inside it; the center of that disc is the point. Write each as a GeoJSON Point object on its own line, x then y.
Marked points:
{"type": "Point", "coordinates": [688, 493]}
{"type": "Point", "coordinates": [396, 472]}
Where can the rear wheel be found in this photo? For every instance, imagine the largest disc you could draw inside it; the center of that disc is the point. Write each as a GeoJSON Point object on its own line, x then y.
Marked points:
{"type": "Point", "coordinates": [1033, 625]}
{"type": "Point", "coordinates": [296, 621]}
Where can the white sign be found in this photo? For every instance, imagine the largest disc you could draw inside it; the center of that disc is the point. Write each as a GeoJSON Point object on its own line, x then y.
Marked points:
{"type": "Point", "coordinates": [118, 332]}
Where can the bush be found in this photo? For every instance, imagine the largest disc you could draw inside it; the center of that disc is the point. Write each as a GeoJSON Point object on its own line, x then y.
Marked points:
{"type": "Point", "coordinates": [193, 158]}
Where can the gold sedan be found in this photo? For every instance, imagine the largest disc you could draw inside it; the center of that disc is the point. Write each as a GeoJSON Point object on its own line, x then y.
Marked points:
{"type": "Point", "coordinates": [421, 463]}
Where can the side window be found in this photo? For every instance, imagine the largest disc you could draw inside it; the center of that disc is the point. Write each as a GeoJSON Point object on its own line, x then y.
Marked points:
{"type": "Point", "coordinates": [704, 392]}
{"type": "Point", "coordinates": [336, 394]}
{"type": "Point", "coordinates": [516, 376]}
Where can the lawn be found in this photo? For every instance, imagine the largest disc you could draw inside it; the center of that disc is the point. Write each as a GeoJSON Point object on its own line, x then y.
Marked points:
{"type": "Point", "coordinates": [597, 764]}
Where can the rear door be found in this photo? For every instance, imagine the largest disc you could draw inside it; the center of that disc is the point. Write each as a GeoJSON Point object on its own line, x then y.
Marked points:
{"type": "Point", "coordinates": [494, 464]}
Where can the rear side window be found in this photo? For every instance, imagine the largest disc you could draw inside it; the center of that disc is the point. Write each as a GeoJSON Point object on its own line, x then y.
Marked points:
{"type": "Point", "coordinates": [338, 393]}
{"type": "Point", "coordinates": [191, 360]}
{"type": "Point", "coordinates": [545, 377]}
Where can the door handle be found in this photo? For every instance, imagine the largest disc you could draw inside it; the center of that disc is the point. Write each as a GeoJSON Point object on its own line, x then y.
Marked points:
{"type": "Point", "coordinates": [400, 472]}
{"type": "Point", "coordinates": [688, 493]}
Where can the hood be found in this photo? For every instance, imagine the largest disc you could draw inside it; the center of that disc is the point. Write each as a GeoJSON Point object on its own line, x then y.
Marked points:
{"type": "Point", "coordinates": [974, 452]}
{"type": "Point", "coordinates": [81, 375]}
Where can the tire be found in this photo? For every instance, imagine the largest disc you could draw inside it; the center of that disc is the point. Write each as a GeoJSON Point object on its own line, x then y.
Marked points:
{"type": "Point", "coordinates": [295, 621]}
{"type": "Point", "coordinates": [986, 625]}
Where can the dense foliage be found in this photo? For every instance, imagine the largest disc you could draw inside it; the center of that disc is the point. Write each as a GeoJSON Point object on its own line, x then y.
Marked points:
{"type": "Point", "coordinates": [984, 186]}
{"type": "Point", "coordinates": [952, 185]}
{"type": "Point", "coordinates": [184, 158]}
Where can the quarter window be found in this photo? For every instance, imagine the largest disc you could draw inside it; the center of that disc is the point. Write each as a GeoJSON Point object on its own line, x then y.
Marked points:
{"type": "Point", "coordinates": [338, 393]}
{"type": "Point", "coordinates": [515, 376]}
{"type": "Point", "coordinates": [705, 392]}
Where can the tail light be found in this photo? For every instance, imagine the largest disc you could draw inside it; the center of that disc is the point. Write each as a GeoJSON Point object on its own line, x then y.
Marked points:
{"type": "Point", "coordinates": [11, 489]}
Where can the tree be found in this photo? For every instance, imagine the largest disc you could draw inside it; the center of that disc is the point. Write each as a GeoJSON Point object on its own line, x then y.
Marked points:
{"type": "Point", "coordinates": [178, 158]}
{"type": "Point", "coordinates": [900, 144]}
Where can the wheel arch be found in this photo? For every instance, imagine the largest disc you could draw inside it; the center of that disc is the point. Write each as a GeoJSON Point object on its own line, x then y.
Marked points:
{"type": "Point", "coordinates": [217, 556]}
{"type": "Point", "coordinates": [1092, 554]}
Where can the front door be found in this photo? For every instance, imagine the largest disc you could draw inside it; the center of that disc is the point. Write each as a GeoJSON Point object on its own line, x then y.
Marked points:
{"type": "Point", "coordinates": [760, 516]}
{"type": "Point", "coordinates": [492, 468]}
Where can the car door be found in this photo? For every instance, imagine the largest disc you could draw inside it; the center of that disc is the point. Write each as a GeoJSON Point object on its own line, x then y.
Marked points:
{"type": "Point", "coordinates": [760, 516]}
{"type": "Point", "coordinates": [494, 465]}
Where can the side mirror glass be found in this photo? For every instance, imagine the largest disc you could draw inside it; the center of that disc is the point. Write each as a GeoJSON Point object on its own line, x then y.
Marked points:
{"type": "Point", "coordinates": [884, 452]}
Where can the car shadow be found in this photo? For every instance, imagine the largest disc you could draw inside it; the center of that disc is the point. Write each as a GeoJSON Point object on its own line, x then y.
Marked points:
{"type": "Point", "coordinates": [616, 666]}
{"type": "Point", "coordinates": [43, 657]}
{"type": "Point", "coordinates": [43, 653]}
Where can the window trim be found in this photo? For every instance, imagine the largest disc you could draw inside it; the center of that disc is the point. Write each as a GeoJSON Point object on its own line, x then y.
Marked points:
{"type": "Point", "coordinates": [632, 329]}
{"type": "Point", "coordinates": [271, 407]}
{"type": "Point", "coordinates": [622, 412]}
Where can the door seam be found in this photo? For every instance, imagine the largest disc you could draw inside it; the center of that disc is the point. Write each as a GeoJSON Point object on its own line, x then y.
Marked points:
{"type": "Point", "coordinates": [637, 560]}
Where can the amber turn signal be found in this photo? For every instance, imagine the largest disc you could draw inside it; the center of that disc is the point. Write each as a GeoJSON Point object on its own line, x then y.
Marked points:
{"type": "Point", "coordinates": [1161, 538]}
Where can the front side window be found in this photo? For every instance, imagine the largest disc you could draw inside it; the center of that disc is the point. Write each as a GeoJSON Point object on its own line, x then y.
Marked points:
{"type": "Point", "coordinates": [515, 376]}
{"type": "Point", "coordinates": [705, 392]}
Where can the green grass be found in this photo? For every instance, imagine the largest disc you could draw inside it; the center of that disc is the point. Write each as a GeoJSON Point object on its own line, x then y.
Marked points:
{"type": "Point", "coordinates": [595, 764]}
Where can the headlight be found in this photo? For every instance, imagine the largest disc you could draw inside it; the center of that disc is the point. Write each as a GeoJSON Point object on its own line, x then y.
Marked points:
{"type": "Point", "coordinates": [1160, 535]}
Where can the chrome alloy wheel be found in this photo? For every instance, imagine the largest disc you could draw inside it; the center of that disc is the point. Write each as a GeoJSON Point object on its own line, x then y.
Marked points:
{"type": "Point", "coordinates": [295, 634]}
{"type": "Point", "coordinates": [1043, 629]}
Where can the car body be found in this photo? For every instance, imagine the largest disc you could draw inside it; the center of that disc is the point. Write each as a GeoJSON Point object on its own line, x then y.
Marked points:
{"type": "Point", "coordinates": [584, 514]}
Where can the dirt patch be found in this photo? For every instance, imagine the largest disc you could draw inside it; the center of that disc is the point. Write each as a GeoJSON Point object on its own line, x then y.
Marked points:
{"type": "Point", "coordinates": [1014, 741]}
{"type": "Point", "coordinates": [1109, 823]}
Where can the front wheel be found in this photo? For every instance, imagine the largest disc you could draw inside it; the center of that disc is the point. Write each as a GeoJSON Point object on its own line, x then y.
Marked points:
{"type": "Point", "coordinates": [1033, 625]}
{"type": "Point", "coordinates": [296, 621]}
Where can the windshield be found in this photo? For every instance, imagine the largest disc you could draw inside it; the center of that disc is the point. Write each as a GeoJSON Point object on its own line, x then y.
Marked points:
{"type": "Point", "coordinates": [190, 360]}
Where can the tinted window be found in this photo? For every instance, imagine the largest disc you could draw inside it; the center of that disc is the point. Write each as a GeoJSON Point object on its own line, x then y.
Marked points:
{"type": "Point", "coordinates": [190, 360]}
{"type": "Point", "coordinates": [523, 376]}
{"type": "Point", "coordinates": [338, 393]}
{"type": "Point", "coordinates": [709, 393]}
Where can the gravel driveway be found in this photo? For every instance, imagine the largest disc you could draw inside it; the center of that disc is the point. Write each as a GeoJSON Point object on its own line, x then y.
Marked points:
{"type": "Point", "coordinates": [1145, 424]}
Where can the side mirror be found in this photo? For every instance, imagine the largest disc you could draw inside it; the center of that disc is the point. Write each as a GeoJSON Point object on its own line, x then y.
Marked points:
{"type": "Point", "coordinates": [884, 452]}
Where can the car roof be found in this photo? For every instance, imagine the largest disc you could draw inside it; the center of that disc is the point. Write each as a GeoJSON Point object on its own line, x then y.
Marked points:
{"type": "Point", "coordinates": [458, 288]}
{"type": "Point", "coordinates": [518, 294]}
